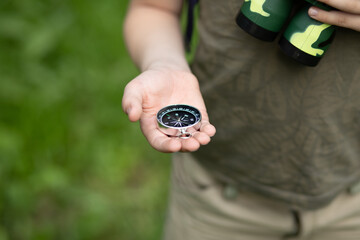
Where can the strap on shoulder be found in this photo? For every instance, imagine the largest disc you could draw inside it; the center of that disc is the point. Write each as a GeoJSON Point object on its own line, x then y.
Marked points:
{"type": "Point", "coordinates": [190, 23]}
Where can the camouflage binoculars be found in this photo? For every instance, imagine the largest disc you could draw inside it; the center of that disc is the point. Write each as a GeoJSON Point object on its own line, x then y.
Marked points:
{"type": "Point", "coordinates": [304, 39]}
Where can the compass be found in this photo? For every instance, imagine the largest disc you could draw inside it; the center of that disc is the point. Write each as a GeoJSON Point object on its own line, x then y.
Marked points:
{"type": "Point", "coordinates": [179, 120]}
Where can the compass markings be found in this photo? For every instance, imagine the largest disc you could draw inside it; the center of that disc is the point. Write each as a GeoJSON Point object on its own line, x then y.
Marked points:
{"type": "Point", "coordinates": [180, 116]}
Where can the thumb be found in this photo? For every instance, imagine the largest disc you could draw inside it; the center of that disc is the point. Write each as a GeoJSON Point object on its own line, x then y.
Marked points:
{"type": "Point", "coordinates": [132, 102]}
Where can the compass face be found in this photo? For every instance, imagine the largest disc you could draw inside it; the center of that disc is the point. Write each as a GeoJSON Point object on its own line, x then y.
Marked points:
{"type": "Point", "coordinates": [178, 116]}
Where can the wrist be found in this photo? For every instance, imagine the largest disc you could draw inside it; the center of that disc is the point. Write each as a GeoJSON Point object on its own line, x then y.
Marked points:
{"type": "Point", "coordinates": [182, 66]}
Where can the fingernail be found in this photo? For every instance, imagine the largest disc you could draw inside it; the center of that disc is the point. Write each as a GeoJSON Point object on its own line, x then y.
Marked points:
{"type": "Point", "coordinates": [313, 12]}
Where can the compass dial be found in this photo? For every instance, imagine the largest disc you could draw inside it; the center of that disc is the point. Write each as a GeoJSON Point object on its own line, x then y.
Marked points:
{"type": "Point", "coordinates": [178, 116]}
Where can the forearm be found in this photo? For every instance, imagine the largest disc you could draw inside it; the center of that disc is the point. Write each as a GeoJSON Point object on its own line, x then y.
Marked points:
{"type": "Point", "coordinates": [153, 36]}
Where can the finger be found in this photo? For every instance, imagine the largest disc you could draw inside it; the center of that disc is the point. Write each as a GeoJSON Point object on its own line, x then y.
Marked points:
{"type": "Point", "coordinates": [337, 18]}
{"type": "Point", "coordinates": [132, 101]}
{"type": "Point", "coordinates": [190, 145]}
{"type": "Point", "coordinates": [207, 128]}
{"type": "Point", "coordinates": [349, 6]}
{"type": "Point", "coordinates": [163, 143]}
{"type": "Point", "coordinates": [157, 139]}
{"type": "Point", "coordinates": [201, 137]}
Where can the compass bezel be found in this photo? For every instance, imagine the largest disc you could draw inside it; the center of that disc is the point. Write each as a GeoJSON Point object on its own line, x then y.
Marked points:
{"type": "Point", "coordinates": [178, 107]}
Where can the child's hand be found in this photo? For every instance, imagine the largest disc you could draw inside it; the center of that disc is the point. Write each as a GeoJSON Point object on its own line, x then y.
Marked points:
{"type": "Point", "coordinates": [347, 14]}
{"type": "Point", "coordinates": [152, 90]}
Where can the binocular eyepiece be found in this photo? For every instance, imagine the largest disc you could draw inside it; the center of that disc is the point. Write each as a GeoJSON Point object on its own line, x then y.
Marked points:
{"type": "Point", "coordinates": [304, 39]}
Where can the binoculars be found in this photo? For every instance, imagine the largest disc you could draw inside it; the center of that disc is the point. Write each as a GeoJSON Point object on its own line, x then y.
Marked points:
{"type": "Point", "coordinates": [304, 39]}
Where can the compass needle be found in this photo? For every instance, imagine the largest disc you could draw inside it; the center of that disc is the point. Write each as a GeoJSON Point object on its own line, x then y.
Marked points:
{"type": "Point", "coordinates": [179, 118]}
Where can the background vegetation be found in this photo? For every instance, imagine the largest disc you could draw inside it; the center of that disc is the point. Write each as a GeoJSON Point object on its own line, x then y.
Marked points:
{"type": "Point", "coordinates": [71, 165]}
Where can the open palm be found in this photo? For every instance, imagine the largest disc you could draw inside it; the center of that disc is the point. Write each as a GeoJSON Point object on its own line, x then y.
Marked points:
{"type": "Point", "coordinates": [152, 90]}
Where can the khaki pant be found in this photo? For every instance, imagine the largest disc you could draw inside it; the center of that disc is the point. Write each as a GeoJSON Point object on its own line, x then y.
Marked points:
{"type": "Point", "coordinates": [201, 209]}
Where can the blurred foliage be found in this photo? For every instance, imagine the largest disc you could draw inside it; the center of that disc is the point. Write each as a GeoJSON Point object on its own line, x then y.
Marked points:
{"type": "Point", "coordinates": [71, 165]}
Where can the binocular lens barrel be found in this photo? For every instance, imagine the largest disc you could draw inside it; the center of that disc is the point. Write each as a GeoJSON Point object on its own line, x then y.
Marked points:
{"type": "Point", "coordinates": [304, 39]}
{"type": "Point", "coordinates": [264, 18]}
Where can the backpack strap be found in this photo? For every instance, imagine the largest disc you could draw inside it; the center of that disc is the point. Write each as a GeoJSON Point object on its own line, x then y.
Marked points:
{"type": "Point", "coordinates": [190, 23]}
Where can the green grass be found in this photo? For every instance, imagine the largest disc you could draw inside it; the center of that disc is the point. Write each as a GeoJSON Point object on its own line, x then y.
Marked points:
{"type": "Point", "coordinates": [71, 165]}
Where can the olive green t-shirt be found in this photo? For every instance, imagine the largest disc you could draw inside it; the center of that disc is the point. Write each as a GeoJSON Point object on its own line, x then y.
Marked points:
{"type": "Point", "coordinates": [284, 130]}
